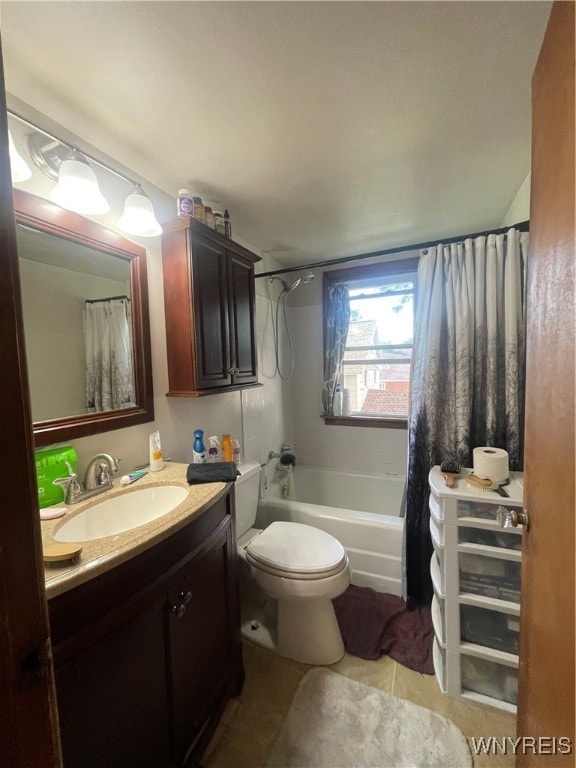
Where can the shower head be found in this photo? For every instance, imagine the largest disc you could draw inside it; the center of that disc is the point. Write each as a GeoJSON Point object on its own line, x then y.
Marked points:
{"type": "Point", "coordinates": [289, 288]}
{"type": "Point", "coordinates": [304, 279]}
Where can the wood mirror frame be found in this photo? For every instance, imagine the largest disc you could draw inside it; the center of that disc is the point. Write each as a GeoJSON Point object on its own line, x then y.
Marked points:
{"type": "Point", "coordinates": [44, 216]}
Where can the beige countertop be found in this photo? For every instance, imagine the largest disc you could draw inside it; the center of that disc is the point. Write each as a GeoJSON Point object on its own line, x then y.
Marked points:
{"type": "Point", "coordinates": [101, 555]}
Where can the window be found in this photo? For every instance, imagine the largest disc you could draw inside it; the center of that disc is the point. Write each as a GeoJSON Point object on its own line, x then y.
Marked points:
{"type": "Point", "coordinates": [375, 371]}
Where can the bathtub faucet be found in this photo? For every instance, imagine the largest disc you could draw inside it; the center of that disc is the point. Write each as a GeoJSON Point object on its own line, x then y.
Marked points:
{"type": "Point", "coordinates": [287, 456]}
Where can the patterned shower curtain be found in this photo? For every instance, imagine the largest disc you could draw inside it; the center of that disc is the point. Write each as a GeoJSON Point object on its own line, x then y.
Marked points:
{"type": "Point", "coordinates": [337, 320]}
{"type": "Point", "coordinates": [109, 360]}
{"type": "Point", "coordinates": [467, 372]}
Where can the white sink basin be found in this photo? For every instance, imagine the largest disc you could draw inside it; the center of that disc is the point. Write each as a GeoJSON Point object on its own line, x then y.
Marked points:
{"type": "Point", "coordinates": [121, 513]}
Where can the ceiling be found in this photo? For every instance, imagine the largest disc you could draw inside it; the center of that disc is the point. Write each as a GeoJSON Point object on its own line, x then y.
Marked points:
{"type": "Point", "coordinates": [327, 128]}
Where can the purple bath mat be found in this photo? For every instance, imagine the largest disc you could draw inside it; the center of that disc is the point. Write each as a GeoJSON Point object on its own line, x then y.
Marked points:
{"type": "Point", "coordinates": [374, 624]}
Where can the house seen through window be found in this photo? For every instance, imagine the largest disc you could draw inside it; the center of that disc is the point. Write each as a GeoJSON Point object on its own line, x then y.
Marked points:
{"type": "Point", "coordinates": [377, 358]}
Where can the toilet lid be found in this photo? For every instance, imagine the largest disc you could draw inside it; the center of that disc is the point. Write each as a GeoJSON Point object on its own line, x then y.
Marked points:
{"type": "Point", "coordinates": [296, 548]}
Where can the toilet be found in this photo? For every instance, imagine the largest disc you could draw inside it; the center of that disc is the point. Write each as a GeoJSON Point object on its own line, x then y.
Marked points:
{"type": "Point", "coordinates": [289, 574]}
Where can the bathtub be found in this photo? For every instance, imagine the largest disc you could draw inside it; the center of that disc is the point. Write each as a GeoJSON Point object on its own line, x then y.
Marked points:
{"type": "Point", "coordinates": [362, 511]}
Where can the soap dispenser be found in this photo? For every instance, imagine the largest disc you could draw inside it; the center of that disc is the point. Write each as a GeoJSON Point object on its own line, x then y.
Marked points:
{"type": "Point", "coordinates": [199, 449]}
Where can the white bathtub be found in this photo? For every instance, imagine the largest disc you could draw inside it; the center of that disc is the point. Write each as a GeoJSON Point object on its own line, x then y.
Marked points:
{"type": "Point", "coordinates": [362, 511]}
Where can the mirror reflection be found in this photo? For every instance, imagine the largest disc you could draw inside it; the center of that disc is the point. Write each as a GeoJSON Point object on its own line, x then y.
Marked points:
{"type": "Point", "coordinates": [77, 314]}
{"type": "Point", "coordinates": [85, 320]}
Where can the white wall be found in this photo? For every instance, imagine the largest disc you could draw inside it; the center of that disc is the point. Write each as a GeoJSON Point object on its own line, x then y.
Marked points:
{"type": "Point", "coordinates": [520, 207]}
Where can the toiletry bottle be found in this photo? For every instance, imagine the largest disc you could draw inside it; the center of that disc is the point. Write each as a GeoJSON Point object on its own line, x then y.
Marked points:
{"type": "Point", "coordinates": [219, 225]}
{"type": "Point", "coordinates": [227, 224]}
{"type": "Point", "coordinates": [208, 217]}
{"type": "Point", "coordinates": [337, 403]}
{"type": "Point", "coordinates": [185, 204]}
{"type": "Point", "coordinates": [199, 449]}
{"type": "Point", "coordinates": [226, 448]}
{"type": "Point", "coordinates": [156, 462]}
{"type": "Point", "coordinates": [236, 452]}
{"type": "Point", "coordinates": [214, 450]}
{"type": "Point", "coordinates": [198, 208]}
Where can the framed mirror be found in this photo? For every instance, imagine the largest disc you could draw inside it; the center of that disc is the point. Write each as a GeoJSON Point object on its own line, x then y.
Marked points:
{"type": "Point", "coordinates": [87, 329]}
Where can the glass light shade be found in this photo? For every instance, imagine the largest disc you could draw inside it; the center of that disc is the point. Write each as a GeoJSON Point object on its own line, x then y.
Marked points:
{"type": "Point", "coordinates": [77, 188]}
{"type": "Point", "coordinates": [138, 217]}
{"type": "Point", "coordinates": [19, 168]}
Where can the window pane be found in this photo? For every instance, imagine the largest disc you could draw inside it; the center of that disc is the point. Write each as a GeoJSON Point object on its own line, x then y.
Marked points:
{"type": "Point", "coordinates": [378, 390]}
{"type": "Point", "coordinates": [381, 315]}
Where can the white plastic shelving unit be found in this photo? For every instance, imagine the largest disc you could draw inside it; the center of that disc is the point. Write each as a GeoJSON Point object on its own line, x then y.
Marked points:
{"type": "Point", "coordinates": [475, 569]}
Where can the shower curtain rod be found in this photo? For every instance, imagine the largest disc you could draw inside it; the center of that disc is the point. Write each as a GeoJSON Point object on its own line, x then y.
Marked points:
{"type": "Point", "coordinates": [108, 298]}
{"type": "Point", "coordinates": [523, 226]}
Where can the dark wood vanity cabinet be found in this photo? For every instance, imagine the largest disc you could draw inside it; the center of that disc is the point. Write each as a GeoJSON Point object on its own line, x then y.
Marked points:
{"type": "Point", "coordinates": [147, 655]}
{"type": "Point", "coordinates": [209, 310]}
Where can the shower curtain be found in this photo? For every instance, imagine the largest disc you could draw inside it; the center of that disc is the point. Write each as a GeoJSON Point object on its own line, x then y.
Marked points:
{"type": "Point", "coordinates": [109, 362]}
{"type": "Point", "coordinates": [337, 320]}
{"type": "Point", "coordinates": [467, 372]}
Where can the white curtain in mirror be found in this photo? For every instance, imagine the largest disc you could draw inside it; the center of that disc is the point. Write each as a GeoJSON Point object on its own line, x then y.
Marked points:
{"type": "Point", "coordinates": [109, 361]}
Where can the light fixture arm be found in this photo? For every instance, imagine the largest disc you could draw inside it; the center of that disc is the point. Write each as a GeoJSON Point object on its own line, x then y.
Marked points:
{"type": "Point", "coordinates": [46, 157]}
{"type": "Point", "coordinates": [77, 187]}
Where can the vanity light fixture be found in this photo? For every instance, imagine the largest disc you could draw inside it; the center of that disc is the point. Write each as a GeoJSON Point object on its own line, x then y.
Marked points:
{"type": "Point", "coordinates": [77, 186]}
{"type": "Point", "coordinates": [138, 217]}
{"type": "Point", "coordinates": [18, 166]}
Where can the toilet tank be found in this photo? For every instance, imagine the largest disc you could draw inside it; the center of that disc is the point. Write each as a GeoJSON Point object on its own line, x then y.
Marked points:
{"type": "Point", "coordinates": [247, 487]}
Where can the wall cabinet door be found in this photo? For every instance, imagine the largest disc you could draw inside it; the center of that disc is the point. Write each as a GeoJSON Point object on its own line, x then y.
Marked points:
{"type": "Point", "coordinates": [211, 315]}
{"type": "Point", "coordinates": [242, 325]}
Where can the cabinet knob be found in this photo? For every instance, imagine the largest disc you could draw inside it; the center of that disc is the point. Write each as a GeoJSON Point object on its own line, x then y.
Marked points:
{"type": "Point", "coordinates": [185, 597]}
{"type": "Point", "coordinates": [180, 609]}
{"type": "Point", "coordinates": [511, 518]}
{"type": "Point", "coordinates": [232, 370]}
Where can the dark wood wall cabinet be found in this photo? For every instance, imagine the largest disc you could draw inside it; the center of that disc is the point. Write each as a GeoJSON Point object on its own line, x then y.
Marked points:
{"type": "Point", "coordinates": [209, 309]}
{"type": "Point", "coordinates": [147, 654]}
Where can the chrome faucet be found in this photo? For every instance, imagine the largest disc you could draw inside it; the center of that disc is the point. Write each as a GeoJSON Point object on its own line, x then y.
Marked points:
{"type": "Point", "coordinates": [97, 479]}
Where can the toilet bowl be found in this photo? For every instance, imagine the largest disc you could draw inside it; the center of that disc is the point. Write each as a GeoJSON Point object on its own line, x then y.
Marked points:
{"type": "Point", "coordinates": [294, 572]}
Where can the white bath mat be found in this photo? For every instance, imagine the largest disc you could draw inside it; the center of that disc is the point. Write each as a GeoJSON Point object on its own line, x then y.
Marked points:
{"type": "Point", "coordinates": [335, 722]}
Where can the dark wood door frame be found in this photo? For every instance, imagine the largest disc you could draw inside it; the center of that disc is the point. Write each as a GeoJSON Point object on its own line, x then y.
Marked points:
{"type": "Point", "coordinates": [29, 732]}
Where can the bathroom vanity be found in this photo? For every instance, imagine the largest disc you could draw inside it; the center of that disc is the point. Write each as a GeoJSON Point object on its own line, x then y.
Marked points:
{"type": "Point", "coordinates": [147, 651]}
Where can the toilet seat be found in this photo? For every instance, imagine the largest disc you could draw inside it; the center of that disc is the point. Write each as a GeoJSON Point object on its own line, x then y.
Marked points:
{"type": "Point", "coordinates": [296, 551]}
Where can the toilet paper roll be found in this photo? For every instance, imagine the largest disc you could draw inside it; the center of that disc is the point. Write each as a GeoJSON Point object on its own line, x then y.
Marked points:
{"type": "Point", "coordinates": [492, 463]}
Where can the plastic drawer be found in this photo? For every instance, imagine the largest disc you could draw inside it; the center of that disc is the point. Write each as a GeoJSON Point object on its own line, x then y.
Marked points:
{"type": "Point", "coordinates": [483, 510]}
{"type": "Point", "coordinates": [436, 509]}
{"type": "Point", "coordinates": [489, 678]}
{"type": "Point", "coordinates": [439, 659]}
{"type": "Point", "coordinates": [489, 628]}
{"type": "Point", "coordinates": [438, 577]}
{"type": "Point", "coordinates": [437, 534]}
{"type": "Point", "coordinates": [489, 538]}
{"type": "Point", "coordinates": [438, 620]}
{"type": "Point", "coordinates": [490, 576]}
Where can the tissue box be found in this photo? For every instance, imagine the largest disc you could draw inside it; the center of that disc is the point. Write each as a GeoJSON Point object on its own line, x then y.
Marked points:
{"type": "Point", "coordinates": [50, 465]}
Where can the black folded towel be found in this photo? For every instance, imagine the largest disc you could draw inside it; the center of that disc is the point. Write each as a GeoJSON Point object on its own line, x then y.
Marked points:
{"type": "Point", "coordinates": [218, 472]}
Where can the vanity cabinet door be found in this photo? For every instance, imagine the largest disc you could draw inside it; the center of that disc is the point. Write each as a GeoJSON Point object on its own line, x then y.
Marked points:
{"type": "Point", "coordinates": [113, 697]}
{"type": "Point", "coordinates": [203, 639]}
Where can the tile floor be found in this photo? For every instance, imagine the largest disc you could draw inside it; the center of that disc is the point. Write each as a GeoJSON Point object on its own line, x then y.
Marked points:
{"type": "Point", "coordinates": [252, 721]}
